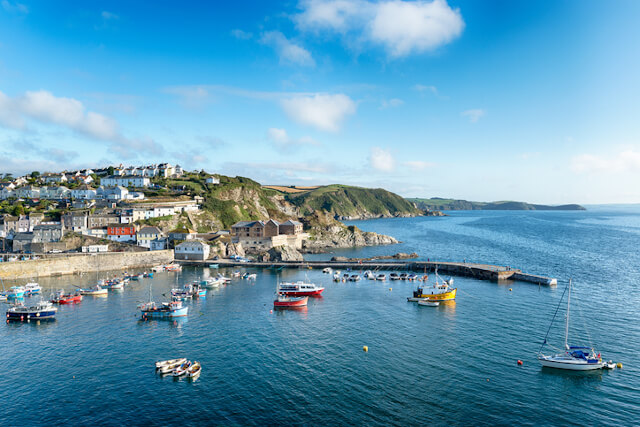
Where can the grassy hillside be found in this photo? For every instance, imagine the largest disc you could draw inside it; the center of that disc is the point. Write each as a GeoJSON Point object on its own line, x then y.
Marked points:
{"type": "Point", "coordinates": [347, 201]}
{"type": "Point", "coordinates": [438, 203]}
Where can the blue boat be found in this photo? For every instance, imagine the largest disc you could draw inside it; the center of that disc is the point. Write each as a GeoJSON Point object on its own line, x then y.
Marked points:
{"type": "Point", "coordinates": [166, 310]}
{"type": "Point", "coordinates": [40, 311]}
{"type": "Point", "coordinates": [16, 292]}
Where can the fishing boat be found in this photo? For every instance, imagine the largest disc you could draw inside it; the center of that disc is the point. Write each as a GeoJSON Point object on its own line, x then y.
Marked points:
{"type": "Point", "coordinates": [41, 310]}
{"type": "Point", "coordinates": [198, 291]}
{"type": "Point", "coordinates": [235, 274]}
{"type": "Point", "coordinates": [299, 289]}
{"type": "Point", "coordinates": [440, 291]}
{"type": "Point", "coordinates": [573, 358]}
{"type": "Point", "coordinates": [32, 288]}
{"type": "Point", "coordinates": [194, 371]}
{"type": "Point", "coordinates": [114, 284]}
{"type": "Point", "coordinates": [211, 283]}
{"type": "Point", "coordinates": [182, 369]}
{"type": "Point", "coordinates": [428, 303]}
{"type": "Point", "coordinates": [213, 266]}
{"type": "Point", "coordinates": [96, 290]}
{"type": "Point", "coordinates": [15, 292]}
{"type": "Point", "coordinates": [148, 274]}
{"type": "Point", "coordinates": [381, 277]}
{"type": "Point", "coordinates": [61, 297]}
{"type": "Point", "coordinates": [288, 301]}
{"type": "Point", "coordinates": [164, 363]}
{"type": "Point", "coordinates": [327, 270]}
{"type": "Point", "coordinates": [224, 279]}
{"type": "Point", "coordinates": [165, 310]}
{"type": "Point", "coordinates": [173, 267]}
{"type": "Point", "coordinates": [182, 293]}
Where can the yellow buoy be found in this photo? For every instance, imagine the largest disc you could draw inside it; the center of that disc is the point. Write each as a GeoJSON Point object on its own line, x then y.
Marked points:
{"type": "Point", "coordinates": [390, 289]}
{"type": "Point", "coordinates": [510, 289]}
{"type": "Point", "coordinates": [365, 348]}
{"type": "Point", "coordinates": [619, 365]}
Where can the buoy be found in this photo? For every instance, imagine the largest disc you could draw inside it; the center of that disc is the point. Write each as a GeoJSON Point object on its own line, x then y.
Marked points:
{"type": "Point", "coordinates": [510, 289]}
{"type": "Point", "coordinates": [390, 289]}
{"type": "Point", "coordinates": [365, 348]}
{"type": "Point", "coordinates": [270, 311]}
{"type": "Point", "coordinates": [619, 365]}
{"type": "Point", "coordinates": [487, 379]}
{"type": "Point", "coordinates": [519, 362]}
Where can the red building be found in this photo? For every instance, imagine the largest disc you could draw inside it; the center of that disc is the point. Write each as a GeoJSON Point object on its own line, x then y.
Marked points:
{"type": "Point", "coordinates": [121, 233]}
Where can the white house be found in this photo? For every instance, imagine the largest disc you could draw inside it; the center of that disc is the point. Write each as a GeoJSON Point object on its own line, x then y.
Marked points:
{"type": "Point", "coordinates": [55, 178]}
{"type": "Point", "coordinates": [192, 250]}
{"type": "Point", "coordinates": [113, 193]}
{"type": "Point", "coordinates": [84, 193]}
{"type": "Point", "coordinates": [125, 181]}
{"type": "Point", "coordinates": [159, 211]}
{"type": "Point", "coordinates": [152, 238]}
{"type": "Point", "coordinates": [6, 192]}
{"type": "Point", "coordinates": [212, 180]}
{"type": "Point", "coordinates": [28, 192]}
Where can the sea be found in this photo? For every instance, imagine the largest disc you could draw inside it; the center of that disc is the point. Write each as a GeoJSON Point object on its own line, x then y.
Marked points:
{"type": "Point", "coordinates": [455, 364]}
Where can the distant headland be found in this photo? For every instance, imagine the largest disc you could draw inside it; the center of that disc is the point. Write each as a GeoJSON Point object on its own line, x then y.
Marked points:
{"type": "Point", "coordinates": [437, 203]}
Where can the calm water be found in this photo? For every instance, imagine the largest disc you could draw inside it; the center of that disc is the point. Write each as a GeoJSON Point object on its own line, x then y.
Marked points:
{"type": "Point", "coordinates": [454, 364]}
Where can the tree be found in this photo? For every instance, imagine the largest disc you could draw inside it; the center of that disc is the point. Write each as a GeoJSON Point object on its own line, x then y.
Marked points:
{"type": "Point", "coordinates": [35, 174]}
{"type": "Point", "coordinates": [110, 170]}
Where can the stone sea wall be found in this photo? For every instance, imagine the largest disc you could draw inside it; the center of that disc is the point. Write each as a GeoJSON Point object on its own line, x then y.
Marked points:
{"type": "Point", "coordinates": [78, 263]}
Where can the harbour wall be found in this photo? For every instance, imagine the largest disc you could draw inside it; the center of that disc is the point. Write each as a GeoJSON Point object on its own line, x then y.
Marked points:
{"type": "Point", "coordinates": [79, 263]}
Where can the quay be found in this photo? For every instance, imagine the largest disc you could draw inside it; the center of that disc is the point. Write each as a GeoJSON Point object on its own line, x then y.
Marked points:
{"type": "Point", "coordinates": [462, 269]}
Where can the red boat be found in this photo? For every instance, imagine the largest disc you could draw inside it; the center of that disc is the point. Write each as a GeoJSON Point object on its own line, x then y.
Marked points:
{"type": "Point", "coordinates": [287, 301]}
{"type": "Point", "coordinates": [299, 289]}
{"type": "Point", "coordinates": [61, 298]}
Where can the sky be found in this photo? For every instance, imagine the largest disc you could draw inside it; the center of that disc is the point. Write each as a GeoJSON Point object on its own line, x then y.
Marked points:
{"type": "Point", "coordinates": [536, 101]}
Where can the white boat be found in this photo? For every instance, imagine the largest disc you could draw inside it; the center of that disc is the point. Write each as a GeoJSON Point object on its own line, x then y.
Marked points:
{"type": "Point", "coordinates": [182, 369]}
{"type": "Point", "coordinates": [381, 277]}
{"type": "Point", "coordinates": [252, 276]}
{"type": "Point", "coordinates": [355, 278]}
{"type": "Point", "coordinates": [224, 279]}
{"type": "Point", "coordinates": [337, 277]}
{"type": "Point", "coordinates": [327, 270]}
{"type": "Point", "coordinates": [574, 358]}
{"type": "Point", "coordinates": [170, 362]}
{"type": "Point", "coordinates": [96, 290]}
{"type": "Point", "coordinates": [299, 289]}
{"type": "Point", "coordinates": [32, 288]}
{"type": "Point", "coordinates": [212, 282]}
{"type": "Point", "coordinates": [157, 268]}
{"type": "Point", "coordinates": [167, 369]}
{"type": "Point", "coordinates": [369, 275]}
{"type": "Point", "coordinates": [428, 303]}
{"type": "Point", "coordinates": [194, 370]}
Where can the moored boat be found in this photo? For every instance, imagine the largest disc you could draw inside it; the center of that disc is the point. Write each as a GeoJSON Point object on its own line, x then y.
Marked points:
{"type": "Point", "coordinates": [15, 292]}
{"type": "Point", "coordinates": [299, 289]}
{"type": "Point", "coordinates": [355, 278]}
{"type": "Point", "coordinates": [61, 298]}
{"type": "Point", "coordinates": [289, 301]}
{"type": "Point", "coordinates": [169, 362]}
{"type": "Point", "coordinates": [440, 291]}
{"type": "Point", "coordinates": [394, 276]}
{"type": "Point", "coordinates": [327, 270]}
{"type": "Point", "coordinates": [193, 372]}
{"type": "Point", "coordinates": [369, 275]}
{"type": "Point", "coordinates": [574, 358]}
{"type": "Point", "coordinates": [40, 311]}
{"type": "Point", "coordinates": [32, 288]}
{"type": "Point", "coordinates": [381, 277]}
{"type": "Point", "coordinates": [428, 303]}
{"type": "Point", "coordinates": [96, 290]}
{"type": "Point", "coordinates": [182, 369]}
{"type": "Point", "coordinates": [165, 310]}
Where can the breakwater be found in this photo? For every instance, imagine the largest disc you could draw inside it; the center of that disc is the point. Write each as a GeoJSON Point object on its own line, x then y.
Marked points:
{"type": "Point", "coordinates": [81, 263]}
{"type": "Point", "coordinates": [464, 269]}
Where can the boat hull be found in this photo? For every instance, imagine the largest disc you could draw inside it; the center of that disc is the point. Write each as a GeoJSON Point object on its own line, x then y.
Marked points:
{"type": "Point", "coordinates": [297, 302]}
{"type": "Point", "coordinates": [39, 315]}
{"type": "Point", "coordinates": [570, 365]}
{"type": "Point", "coordinates": [444, 296]}
{"type": "Point", "coordinates": [165, 314]}
{"type": "Point", "coordinates": [302, 293]}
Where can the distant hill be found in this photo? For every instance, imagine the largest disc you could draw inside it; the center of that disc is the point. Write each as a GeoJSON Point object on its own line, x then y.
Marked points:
{"type": "Point", "coordinates": [347, 202]}
{"type": "Point", "coordinates": [437, 203]}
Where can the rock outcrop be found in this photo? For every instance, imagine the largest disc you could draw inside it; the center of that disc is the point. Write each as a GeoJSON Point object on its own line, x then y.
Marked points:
{"type": "Point", "coordinates": [282, 253]}
{"type": "Point", "coordinates": [235, 249]}
{"type": "Point", "coordinates": [337, 236]}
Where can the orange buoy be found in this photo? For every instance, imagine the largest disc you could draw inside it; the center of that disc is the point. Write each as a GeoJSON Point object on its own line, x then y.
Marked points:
{"type": "Point", "coordinates": [519, 362]}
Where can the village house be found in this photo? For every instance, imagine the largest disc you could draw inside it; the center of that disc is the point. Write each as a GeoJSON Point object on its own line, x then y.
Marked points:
{"type": "Point", "coordinates": [6, 192]}
{"type": "Point", "coordinates": [183, 234]}
{"type": "Point", "coordinates": [113, 193]}
{"type": "Point", "coordinates": [126, 181]}
{"type": "Point", "coordinates": [121, 233]}
{"type": "Point", "coordinates": [212, 180]}
{"type": "Point", "coordinates": [152, 238]}
{"type": "Point", "coordinates": [84, 192]}
{"type": "Point", "coordinates": [55, 178]}
{"type": "Point", "coordinates": [264, 235]}
{"type": "Point", "coordinates": [291, 227]}
{"type": "Point", "coordinates": [35, 219]}
{"type": "Point", "coordinates": [192, 250]}
{"type": "Point", "coordinates": [48, 233]}
{"type": "Point", "coordinates": [22, 242]}
{"type": "Point", "coordinates": [28, 192]}
{"type": "Point", "coordinates": [103, 220]}
{"type": "Point", "coordinates": [75, 221]}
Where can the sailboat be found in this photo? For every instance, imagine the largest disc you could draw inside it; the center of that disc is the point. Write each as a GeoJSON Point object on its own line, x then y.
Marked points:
{"type": "Point", "coordinates": [574, 358]}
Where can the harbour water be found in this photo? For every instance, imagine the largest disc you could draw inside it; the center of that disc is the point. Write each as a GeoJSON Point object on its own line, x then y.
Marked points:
{"type": "Point", "coordinates": [452, 364]}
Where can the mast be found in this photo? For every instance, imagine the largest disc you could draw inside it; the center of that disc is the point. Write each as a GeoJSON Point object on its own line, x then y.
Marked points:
{"type": "Point", "coordinates": [566, 327]}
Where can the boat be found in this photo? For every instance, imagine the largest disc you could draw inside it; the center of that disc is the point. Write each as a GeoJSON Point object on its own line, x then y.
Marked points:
{"type": "Point", "coordinates": [32, 288]}
{"type": "Point", "coordinates": [224, 279]}
{"type": "Point", "coordinates": [173, 267]}
{"type": "Point", "coordinates": [158, 268]}
{"type": "Point", "coordinates": [428, 303]}
{"type": "Point", "coordinates": [609, 365]}
{"type": "Point", "coordinates": [165, 310]}
{"type": "Point", "coordinates": [235, 274]}
{"type": "Point", "coordinates": [15, 292]}
{"type": "Point", "coordinates": [182, 369]}
{"type": "Point", "coordinates": [412, 277]}
{"type": "Point", "coordinates": [327, 270]}
{"type": "Point", "coordinates": [394, 276]}
{"type": "Point", "coordinates": [169, 362]}
{"type": "Point", "coordinates": [289, 301]}
{"type": "Point", "coordinates": [381, 277]}
{"type": "Point", "coordinates": [198, 291]}
{"type": "Point", "coordinates": [41, 310]}
{"type": "Point", "coordinates": [440, 291]}
{"type": "Point", "coordinates": [194, 370]}
{"type": "Point", "coordinates": [169, 368]}
{"type": "Point", "coordinates": [182, 293]}
{"type": "Point", "coordinates": [337, 277]}
{"type": "Point", "coordinates": [212, 282]}
{"type": "Point", "coordinates": [252, 276]}
{"type": "Point", "coordinates": [355, 278]}
{"type": "Point", "coordinates": [369, 275]}
{"type": "Point", "coordinates": [403, 276]}
{"type": "Point", "coordinates": [214, 266]}
{"type": "Point", "coordinates": [148, 274]}
{"type": "Point", "coordinates": [61, 298]}
{"type": "Point", "coordinates": [574, 358]}
{"type": "Point", "coordinates": [3, 296]}
{"type": "Point", "coordinates": [96, 290]}
{"type": "Point", "coordinates": [299, 289]}
{"type": "Point", "coordinates": [114, 284]}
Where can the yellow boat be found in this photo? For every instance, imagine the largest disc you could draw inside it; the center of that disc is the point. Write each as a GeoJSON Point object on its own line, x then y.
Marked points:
{"type": "Point", "coordinates": [440, 293]}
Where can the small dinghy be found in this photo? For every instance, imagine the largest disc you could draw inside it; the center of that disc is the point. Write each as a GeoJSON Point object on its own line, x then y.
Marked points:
{"type": "Point", "coordinates": [165, 363]}
{"type": "Point", "coordinates": [609, 365]}
{"type": "Point", "coordinates": [194, 371]}
{"type": "Point", "coordinates": [182, 369]}
{"type": "Point", "coordinates": [327, 270]}
{"type": "Point", "coordinates": [428, 303]}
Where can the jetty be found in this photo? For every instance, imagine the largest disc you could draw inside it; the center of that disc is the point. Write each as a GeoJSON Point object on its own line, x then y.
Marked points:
{"type": "Point", "coordinates": [462, 269]}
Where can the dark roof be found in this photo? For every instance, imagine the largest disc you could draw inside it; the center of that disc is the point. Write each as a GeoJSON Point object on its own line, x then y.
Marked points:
{"type": "Point", "coordinates": [23, 236]}
{"type": "Point", "coordinates": [247, 224]}
{"type": "Point", "coordinates": [292, 222]}
{"type": "Point", "coordinates": [150, 230]}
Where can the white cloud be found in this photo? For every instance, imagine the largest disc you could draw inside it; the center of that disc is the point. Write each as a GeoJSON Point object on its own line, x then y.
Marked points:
{"type": "Point", "coordinates": [14, 7]}
{"type": "Point", "coordinates": [624, 161]}
{"type": "Point", "coordinates": [192, 97]}
{"type": "Point", "coordinates": [322, 111]}
{"type": "Point", "coordinates": [109, 15]}
{"type": "Point", "coordinates": [400, 27]}
{"type": "Point", "coordinates": [391, 103]}
{"type": "Point", "coordinates": [425, 88]}
{"type": "Point", "coordinates": [280, 138]}
{"type": "Point", "coordinates": [419, 164]}
{"type": "Point", "coordinates": [474, 115]}
{"type": "Point", "coordinates": [288, 51]}
{"type": "Point", "coordinates": [241, 35]}
{"type": "Point", "coordinates": [381, 160]}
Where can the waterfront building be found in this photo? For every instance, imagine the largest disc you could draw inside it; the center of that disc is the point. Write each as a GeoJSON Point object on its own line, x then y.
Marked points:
{"type": "Point", "coordinates": [152, 238]}
{"type": "Point", "coordinates": [196, 250]}
{"type": "Point", "coordinates": [264, 235]}
{"type": "Point", "coordinates": [121, 233]}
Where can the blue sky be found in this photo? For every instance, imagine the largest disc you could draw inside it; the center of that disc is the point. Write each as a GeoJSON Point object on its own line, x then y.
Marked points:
{"type": "Point", "coordinates": [490, 100]}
